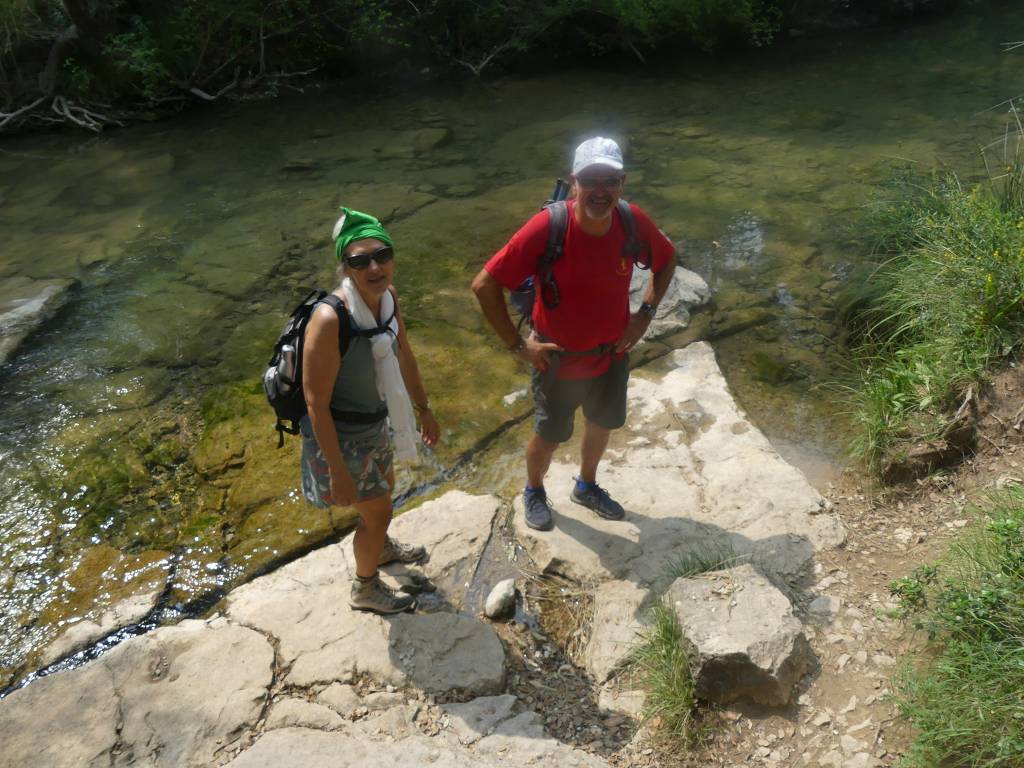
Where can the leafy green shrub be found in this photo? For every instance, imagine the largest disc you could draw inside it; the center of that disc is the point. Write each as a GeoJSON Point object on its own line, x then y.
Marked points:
{"type": "Point", "coordinates": [966, 696]}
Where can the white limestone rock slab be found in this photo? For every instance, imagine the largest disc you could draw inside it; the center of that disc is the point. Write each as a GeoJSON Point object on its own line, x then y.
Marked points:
{"type": "Point", "coordinates": [767, 505]}
{"type": "Point", "coordinates": [172, 697]}
{"type": "Point", "coordinates": [658, 488]}
{"type": "Point", "coordinates": [319, 749]}
{"type": "Point", "coordinates": [521, 741]}
{"type": "Point", "coordinates": [615, 626]}
{"type": "Point", "coordinates": [85, 633]}
{"type": "Point", "coordinates": [65, 720]}
{"type": "Point", "coordinates": [289, 712]}
{"type": "Point", "coordinates": [25, 304]}
{"type": "Point", "coordinates": [702, 480]}
{"type": "Point", "coordinates": [748, 644]}
{"type": "Point", "coordinates": [477, 718]}
{"type": "Point", "coordinates": [625, 702]}
{"type": "Point", "coordinates": [186, 690]}
{"type": "Point", "coordinates": [305, 606]}
{"type": "Point", "coordinates": [340, 697]}
{"type": "Point", "coordinates": [523, 745]}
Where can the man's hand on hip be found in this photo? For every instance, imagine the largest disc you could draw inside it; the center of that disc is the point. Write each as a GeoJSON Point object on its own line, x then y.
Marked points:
{"type": "Point", "coordinates": [635, 330]}
{"type": "Point", "coordinates": [536, 352]}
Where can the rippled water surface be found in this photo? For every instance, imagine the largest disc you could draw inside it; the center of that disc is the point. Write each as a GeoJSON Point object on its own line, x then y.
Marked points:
{"type": "Point", "coordinates": [136, 455]}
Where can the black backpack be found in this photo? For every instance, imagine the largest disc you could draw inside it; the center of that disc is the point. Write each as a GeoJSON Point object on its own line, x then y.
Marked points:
{"type": "Point", "coordinates": [282, 381]}
{"type": "Point", "coordinates": [523, 297]}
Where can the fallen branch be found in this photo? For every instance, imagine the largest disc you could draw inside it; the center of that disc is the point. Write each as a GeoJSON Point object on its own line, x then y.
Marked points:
{"type": "Point", "coordinates": [8, 116]}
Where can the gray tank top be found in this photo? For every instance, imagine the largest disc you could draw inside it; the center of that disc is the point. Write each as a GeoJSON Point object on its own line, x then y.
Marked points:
{"type": "Point", "coordinates": [355, 389]}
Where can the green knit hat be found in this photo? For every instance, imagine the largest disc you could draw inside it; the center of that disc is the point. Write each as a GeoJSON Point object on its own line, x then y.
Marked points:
{"type": "Point", "coordinates": [354, 225]}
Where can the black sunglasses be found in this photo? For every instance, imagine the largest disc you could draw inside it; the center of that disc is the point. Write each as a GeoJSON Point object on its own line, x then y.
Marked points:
{"type": "Point", "coordinates": [362, 260]}
{"type": "Point", "coordinates": [607, 182]}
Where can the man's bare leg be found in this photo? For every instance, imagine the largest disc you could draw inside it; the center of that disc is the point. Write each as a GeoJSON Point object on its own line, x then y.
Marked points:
{"type": "Point", "coordinates": [538, 458]}
{"type": "Point", "coordinates": [595, 441]}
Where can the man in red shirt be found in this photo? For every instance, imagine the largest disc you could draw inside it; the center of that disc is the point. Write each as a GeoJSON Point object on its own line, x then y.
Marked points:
{"type": "Point", "coordinates": [582, 326]}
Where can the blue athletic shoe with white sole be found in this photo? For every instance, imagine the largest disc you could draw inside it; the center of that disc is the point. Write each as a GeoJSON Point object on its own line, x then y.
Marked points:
{"type": "Point", "coordinates": [592, 496]}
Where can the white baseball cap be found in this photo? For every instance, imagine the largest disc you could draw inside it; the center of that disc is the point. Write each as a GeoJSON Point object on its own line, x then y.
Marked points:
{"type": "Point", "coordinates": [597, 151]}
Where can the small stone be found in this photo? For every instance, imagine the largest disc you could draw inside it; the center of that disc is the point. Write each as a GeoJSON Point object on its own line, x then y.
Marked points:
{"type": "Point", "coordinates": [502, 599]}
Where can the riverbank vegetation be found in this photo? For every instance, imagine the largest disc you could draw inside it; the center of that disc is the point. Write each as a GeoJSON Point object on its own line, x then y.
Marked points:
{"type": "Point", "coordinates": [964, 696]}
{"type": "Point", "coordinates": [95, 63]}
{"type": "Point", "coordinates": [943, 308]}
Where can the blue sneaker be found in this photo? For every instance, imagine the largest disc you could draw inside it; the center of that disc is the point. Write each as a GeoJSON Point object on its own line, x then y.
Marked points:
{"type": "Point", "coordinates": [594, 497]}
{"type": "Point", "coordinates": [537, 509]}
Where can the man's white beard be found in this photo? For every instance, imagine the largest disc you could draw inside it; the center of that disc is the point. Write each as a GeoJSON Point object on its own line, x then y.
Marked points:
{"type": "Point", "coordinates": [598, 216]}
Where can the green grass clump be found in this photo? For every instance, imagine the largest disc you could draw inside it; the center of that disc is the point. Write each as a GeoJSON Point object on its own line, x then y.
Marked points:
{"type": "Point", "coordinates": [663, 669]}
{"type": "Point", "coordinates": [965, 696]}
{"type": "Point", "coordinates": [945, 306]}
{"type": "Point", "coordinates": [693, 563]}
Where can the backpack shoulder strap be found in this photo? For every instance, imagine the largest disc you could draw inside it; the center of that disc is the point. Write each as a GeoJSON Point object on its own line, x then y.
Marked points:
{"type": "Point", "coordinates": [558, 223]}
{"type": "Point", "coordinates": [634, 248]}
{"type": "Point", "coordinates": [345, 327]}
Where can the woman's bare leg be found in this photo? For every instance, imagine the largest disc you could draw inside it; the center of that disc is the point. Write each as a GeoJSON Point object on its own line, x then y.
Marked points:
{"type": "Point", "coordinates": [374, 518]}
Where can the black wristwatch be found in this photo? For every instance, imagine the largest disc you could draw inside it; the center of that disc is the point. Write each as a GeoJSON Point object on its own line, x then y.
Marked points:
{"type": "Point", "coordinates": [649, 309]}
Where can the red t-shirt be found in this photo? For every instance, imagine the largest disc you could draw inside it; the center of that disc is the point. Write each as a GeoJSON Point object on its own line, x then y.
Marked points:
{"type": "Point", "coordinates": [593, 284]}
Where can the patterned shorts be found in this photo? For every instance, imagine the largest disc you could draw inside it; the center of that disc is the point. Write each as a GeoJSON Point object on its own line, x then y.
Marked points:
{"type": "Point", "coordinates": [369, 461]}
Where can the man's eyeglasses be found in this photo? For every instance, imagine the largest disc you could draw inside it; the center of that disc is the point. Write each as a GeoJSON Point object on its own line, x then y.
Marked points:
{"type": "Point", "coordinates": [607, 182]}
{"type": "Point", "coordinates": [362, 260]}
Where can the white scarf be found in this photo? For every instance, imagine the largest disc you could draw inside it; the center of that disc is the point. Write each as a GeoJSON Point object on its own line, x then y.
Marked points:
{"type": "Point", "coordinates": [385, 365]}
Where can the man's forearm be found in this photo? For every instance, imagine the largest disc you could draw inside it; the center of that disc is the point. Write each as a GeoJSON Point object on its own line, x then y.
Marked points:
{"type": "Point", "coordinates": [491, 296]}
{"type": "Point", "coordinates": [659, 283]}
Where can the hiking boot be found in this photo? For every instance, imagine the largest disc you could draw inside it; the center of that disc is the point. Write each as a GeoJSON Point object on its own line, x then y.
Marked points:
{"type": "Point", "coordinates": [377, 597]}
{"type": "Point", "coordinates": [537, 510]}
{"type": "Point", "coordinates": [596, 498]}
{"type": "Point", "coordinates": [395, 552]}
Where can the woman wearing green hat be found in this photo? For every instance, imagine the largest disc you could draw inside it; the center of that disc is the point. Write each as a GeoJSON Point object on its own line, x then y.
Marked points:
{"type": "Point", "coordinates": [360, 406]}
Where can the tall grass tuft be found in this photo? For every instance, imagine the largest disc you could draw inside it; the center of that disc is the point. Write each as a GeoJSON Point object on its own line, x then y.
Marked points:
{"type": "Point", "coordinates": [965, 696]}
{"type": "Point", "coordinates": [942, 308]}
{"type": "Point", "coordinates": [662, 666]}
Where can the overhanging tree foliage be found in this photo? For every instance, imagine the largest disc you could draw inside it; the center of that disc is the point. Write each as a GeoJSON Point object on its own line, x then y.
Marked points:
{"type": "Point", "coordinates": [90, 62]}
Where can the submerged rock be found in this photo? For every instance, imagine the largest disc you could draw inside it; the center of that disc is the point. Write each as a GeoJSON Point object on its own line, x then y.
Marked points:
{"type": "Point", "coordinates": [25, 304]}
{"type": "Point", "coordinates": [129, 611]}
{"type": "Point", "coordinates": [748, 644]}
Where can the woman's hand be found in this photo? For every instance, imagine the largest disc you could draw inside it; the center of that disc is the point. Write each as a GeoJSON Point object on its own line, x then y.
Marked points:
{"type": "Point", "coordinates": [343, 488]}
{"type": "Point", "coordinates": [430, 430]}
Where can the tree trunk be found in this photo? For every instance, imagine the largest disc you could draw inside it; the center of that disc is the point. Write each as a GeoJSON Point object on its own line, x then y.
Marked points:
{"type": "Point", "coordinates": [58, 53]}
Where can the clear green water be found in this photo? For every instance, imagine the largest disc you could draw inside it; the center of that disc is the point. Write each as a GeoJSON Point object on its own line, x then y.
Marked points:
{"type": "Point", "coordinates": [134, 444]}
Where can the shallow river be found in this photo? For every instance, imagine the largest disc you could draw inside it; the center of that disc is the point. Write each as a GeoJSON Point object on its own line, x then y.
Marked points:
{"type": "Point", "coordinates": [136, 455]}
